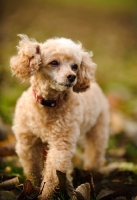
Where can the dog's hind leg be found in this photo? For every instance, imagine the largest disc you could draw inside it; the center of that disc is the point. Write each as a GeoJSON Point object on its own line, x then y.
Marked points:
{"type": "Point", "coordinates": [96, 144]}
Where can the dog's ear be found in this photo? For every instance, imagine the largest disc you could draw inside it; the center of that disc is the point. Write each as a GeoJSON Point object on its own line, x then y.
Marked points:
{"type": "Point", "coordinates": [85, 73]}
{"type": "Point", "coordinates": [28, 59]}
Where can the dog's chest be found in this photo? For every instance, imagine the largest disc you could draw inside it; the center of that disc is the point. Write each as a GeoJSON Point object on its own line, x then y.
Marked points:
{"type": "Point", "coordinates": [48, 123]}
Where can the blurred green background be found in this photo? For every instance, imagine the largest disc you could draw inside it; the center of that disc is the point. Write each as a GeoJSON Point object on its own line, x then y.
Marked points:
{"type": "Point", "coordinates": [108, 28]}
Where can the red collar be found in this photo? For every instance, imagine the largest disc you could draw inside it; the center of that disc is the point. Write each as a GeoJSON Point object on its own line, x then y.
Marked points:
{"type": "Point", "coordinates": [49, 103]}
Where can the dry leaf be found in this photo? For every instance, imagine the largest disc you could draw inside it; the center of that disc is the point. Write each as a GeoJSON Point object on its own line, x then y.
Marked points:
{"type": "Point", "coordinates": [9, 184]}
{"type": "Point", "coordinates": [84, 190]}
{"type": "Point", "coordinates": [29, 191]}
{"type": "Point", "coordinates": [104, 192]}
{"type": "Point", "coordinates": [64, 184]}
{"type": "Point", "coordinates": [81, 193]}
{"type": "Point", "coordinates": [82, 177]}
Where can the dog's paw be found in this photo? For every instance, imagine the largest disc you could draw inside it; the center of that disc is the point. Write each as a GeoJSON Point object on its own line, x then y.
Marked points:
{"type": "Point", "coordinates": [44, 197]}
{"type": "Point", "coordinates": [47, 190]}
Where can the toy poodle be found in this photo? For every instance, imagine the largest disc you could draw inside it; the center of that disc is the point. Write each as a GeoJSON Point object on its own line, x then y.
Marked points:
{"type": "Point", "coordinates": [62, 102]}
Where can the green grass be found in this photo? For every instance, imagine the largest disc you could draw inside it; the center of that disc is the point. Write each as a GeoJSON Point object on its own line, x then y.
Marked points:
{"type": "Point", "coordinates": [9, 167]}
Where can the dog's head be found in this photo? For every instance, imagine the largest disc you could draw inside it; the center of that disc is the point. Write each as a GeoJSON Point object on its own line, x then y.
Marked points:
{"type": "Point", "coordinates": [60, 61]}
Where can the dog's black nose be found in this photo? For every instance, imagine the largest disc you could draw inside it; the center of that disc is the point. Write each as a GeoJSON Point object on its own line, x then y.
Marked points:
{"type": "Point", "coordinates": [71, 78]}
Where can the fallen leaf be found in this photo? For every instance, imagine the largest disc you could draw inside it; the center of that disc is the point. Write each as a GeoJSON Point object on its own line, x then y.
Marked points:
{"type": "Point", "coordinates": [65, 186]}
{"type": "Point", "coordinates": [9, 184]}
{"type": "Point", "coordinates": [29, 191]}
{"type": "Point", "coordinates": [83, 191]}
{"type": "Point", "coordinates": [81, 177]}
{"type": "Point", "coordinates": [77, 196]}
{"type": "Point", "coordinates": [104, 192]}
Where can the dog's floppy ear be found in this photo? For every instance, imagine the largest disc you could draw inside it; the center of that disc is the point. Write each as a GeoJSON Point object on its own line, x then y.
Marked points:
{"type": "Point", "coordinates": [28, 59]}
{"type": "Point", "coordinates": [85, 73]}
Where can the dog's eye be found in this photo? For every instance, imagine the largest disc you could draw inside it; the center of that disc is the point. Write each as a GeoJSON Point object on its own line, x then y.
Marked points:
{"type": "Point", "coordinates": [74, 67]}
{"type": "Point", "coordinates": [54, 63]}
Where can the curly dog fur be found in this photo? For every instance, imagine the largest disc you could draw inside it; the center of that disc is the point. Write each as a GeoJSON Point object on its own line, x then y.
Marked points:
{"type": "Point", "coordinates": [62, 71]}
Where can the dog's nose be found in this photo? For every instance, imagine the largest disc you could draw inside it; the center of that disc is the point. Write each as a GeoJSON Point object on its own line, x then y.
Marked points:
{"type": "Point", "coordinates": [71, 78]}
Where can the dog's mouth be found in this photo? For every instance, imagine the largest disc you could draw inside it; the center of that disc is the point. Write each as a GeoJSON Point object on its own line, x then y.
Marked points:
{"type": "Point", "coordinates": [68, 85]}
{"type": "Point", "coordinates": [63, 86]}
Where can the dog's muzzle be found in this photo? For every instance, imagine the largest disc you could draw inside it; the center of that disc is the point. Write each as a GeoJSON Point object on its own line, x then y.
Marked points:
{"type": "Point", "coordinates": [71, 78]}
{"type": "Point", "coordinates": [70, 81]}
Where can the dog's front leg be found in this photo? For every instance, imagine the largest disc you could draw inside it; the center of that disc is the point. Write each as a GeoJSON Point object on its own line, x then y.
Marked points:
{"type": "Point", "coordinates": [58, 158]}
{"type": "Point", "coordinates": [29, 150]}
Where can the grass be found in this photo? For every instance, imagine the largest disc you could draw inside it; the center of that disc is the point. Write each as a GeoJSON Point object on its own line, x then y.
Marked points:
{"type": "Point", "coordinates": [10, 167]}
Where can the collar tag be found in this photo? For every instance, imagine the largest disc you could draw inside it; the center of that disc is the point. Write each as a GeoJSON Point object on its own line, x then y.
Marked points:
{"type": "Point", "coordinates": [49, 103]}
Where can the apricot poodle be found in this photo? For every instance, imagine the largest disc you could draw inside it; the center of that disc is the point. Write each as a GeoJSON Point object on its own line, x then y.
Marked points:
{"type": "Point", "coordinates": [62, 102]}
